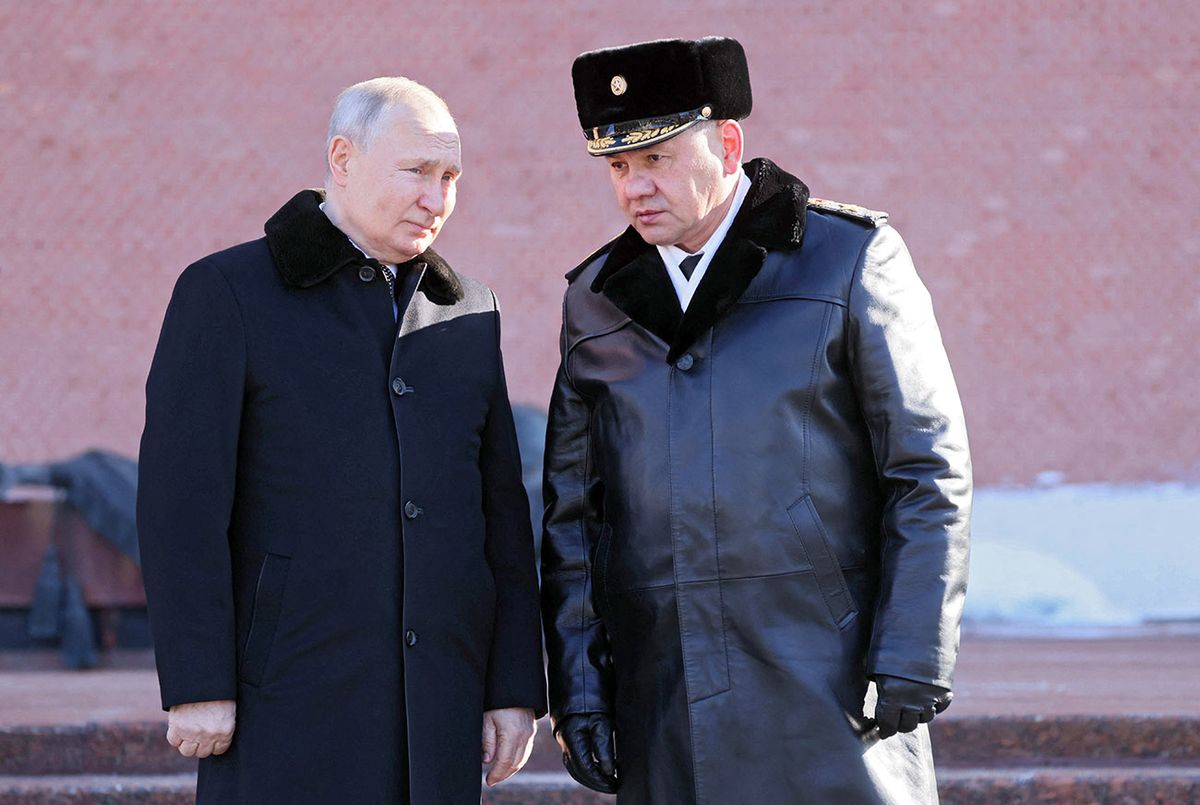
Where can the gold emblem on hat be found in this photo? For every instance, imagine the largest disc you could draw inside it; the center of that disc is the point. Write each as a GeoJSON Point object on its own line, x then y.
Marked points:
{"type": "Point", "coordinates": [618, 85]}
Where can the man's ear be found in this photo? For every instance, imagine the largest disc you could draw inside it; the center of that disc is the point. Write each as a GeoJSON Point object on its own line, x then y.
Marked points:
{"type": "Point", "coordinates": [731, 145]}
{"type": "Point", "coordinates": [340, 152]}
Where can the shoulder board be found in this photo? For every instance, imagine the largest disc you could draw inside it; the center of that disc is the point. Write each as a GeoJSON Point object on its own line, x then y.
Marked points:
{"type": "Point", "coordinates": [875, 218]}
{"type": "Point", "coordinates": [577, 270]}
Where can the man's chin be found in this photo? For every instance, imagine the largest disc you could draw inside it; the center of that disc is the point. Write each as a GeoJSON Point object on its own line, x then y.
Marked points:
{"type": "Point", "coordinates": [411, 249]}
{"type": "Point", "coordinates": [653, 234]}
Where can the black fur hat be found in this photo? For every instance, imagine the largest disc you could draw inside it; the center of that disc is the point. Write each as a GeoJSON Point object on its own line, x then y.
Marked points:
{"type": "Point", "coordinates": [636, 95]}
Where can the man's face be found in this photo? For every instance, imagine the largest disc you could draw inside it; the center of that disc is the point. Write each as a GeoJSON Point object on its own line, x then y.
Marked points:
{"type": "Point", "coordinates": [671, 192]}
{"type": "Point", "coordinates": [397, 192]}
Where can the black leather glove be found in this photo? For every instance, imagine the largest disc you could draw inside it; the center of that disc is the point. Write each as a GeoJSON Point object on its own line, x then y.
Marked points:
{"type": "Point", "coordinates": [588, 753]}
{"type": "Point", "coordinates": [903, 704]}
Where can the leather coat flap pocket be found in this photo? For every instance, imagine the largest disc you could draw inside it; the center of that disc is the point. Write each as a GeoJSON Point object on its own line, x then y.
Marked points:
{"type": "Point", "coordinates": [824, 562]}
{"type": "Point", "coordinates": [600, 571]}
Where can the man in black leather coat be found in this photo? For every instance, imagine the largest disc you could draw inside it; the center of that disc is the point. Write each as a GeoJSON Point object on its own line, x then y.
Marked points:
{"type": "Point", "coordinates": [757, 480]}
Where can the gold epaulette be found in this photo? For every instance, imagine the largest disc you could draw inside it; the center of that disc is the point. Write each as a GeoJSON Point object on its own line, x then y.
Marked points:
{"type": "Point", "coordinates": [875, 218]}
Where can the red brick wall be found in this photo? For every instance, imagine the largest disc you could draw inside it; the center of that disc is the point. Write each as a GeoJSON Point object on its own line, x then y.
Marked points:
{"type": "Point", "coordinates": [1040, 160]}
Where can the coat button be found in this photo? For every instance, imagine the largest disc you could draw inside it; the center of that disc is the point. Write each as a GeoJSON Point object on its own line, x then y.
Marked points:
{"type": "Point", "coordinates": [685, 362]}
{"type": "Point", "coordinates": [366, 273]}
{"type": "Point", "coordinates": [399, 388]}
{"type": "Point", "coordinates": [411, 510]}
{"type": "Point", "coordinates": [410, 637]}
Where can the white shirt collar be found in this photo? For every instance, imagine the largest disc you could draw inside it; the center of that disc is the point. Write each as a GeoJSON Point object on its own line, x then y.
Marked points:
{"type": "Point", "coordinates": [672, 255]}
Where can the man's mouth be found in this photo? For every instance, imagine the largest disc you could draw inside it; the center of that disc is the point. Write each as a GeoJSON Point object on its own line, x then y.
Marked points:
{"type": "Point", "coordinates": [647, 216]}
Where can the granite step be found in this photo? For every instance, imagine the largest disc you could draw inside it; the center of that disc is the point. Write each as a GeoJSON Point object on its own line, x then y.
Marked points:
{"type": "Point", "coordinates": [90, 749]}
{"type": "Point", "coordinates": [528, 788]}
{"type": "Point", "coordinates": [1011, 741]}
{"type": "Point", "coordinates": [98, 789]}
{"type": "Point", "coordinates": [1094, 785]}
{"type": "Point", "coordinates": [968, 742]}
{"type": "Point", "coordinates": [1025, 729]}
{"type": "Point", "coordinates": [960, 786]}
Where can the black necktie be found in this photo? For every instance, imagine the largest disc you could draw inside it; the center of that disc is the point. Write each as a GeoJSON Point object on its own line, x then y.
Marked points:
{"type": "Point", "coordinates": [688, 265]}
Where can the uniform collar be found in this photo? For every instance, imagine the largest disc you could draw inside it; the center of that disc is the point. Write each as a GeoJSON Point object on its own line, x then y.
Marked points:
{"type": "Point", "coordinates": [672, 256]}
{"type": "Point", "coordinates": [308, 249]}
{"type": "Point", "coordinates": [634, 279]}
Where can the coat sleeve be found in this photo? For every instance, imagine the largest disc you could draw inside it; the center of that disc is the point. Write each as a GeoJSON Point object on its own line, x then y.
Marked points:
{"type": "Point", "coordinates": [514, 677]}
{"type": "Point", "coordinates": [912, 410]}
{"type": "Point", "coordinates": [186, 480]}
{"type": "Point", "coordinates": [576, 641]}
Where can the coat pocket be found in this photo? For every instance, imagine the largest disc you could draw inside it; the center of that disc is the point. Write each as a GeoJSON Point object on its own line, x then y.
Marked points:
{"type": "Point", "coordinates": [264, 618]}
{"type": "Point", "coordinates": [830, 580]}
{"type": "Point", "coordinates": [600, 571]}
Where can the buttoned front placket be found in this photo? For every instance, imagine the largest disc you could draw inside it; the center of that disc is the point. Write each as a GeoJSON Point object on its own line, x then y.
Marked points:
{"type": "Point", "coordinates": [404, 387]}
{"type": "Point", "coordinates": [695, 544]}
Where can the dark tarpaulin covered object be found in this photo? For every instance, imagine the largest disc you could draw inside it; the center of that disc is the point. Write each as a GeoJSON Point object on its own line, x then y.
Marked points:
{"type": "Point", "coordinates": [102, 487]}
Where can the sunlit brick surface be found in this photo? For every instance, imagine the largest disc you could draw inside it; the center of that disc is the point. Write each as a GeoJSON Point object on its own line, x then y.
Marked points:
{"type": "Point", "coordinates": [1040, 159]}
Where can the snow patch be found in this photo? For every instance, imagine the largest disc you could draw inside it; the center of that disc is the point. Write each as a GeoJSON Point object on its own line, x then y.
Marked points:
{"type": "Point", "coordinates": [1084, 554]}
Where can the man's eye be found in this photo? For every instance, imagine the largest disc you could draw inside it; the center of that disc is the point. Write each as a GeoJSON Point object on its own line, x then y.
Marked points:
{"type": "Point", "coordinates": [617, 165]}
{"type": "Point", "coordinates": [654, 157]}
{"type": "Point", "coordinates": [417, 170]}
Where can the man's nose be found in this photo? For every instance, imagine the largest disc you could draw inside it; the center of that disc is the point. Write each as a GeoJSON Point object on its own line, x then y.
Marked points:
{"type": "Point", "coordinates": [638, 186]}
{"type": "Point", "coordinates": [433, 197]}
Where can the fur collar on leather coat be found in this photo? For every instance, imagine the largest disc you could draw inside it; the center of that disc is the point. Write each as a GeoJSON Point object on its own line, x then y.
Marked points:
{"type": "Point", "coordinates": [635, 280]}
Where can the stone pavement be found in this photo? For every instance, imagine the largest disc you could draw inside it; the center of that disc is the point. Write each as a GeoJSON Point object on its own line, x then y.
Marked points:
{"type": "Point", "coordinates": [1141, 671]}
{"type": "Point", "coordinates": [1111, 718]}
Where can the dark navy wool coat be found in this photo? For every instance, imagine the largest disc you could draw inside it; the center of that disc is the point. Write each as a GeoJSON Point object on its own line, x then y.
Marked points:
{"type": "Point", "coordinates": [332, 522]}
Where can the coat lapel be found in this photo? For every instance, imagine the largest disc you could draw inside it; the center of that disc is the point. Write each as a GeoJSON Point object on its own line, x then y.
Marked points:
{"type": "Point", "coordinates": [413, 316]}
{"type": "Point", "coordinates": [735, 264]}
{"type": "Point", "coordinates": [639, 285]}
{"type": "Point", "coordinates": [635, 279]}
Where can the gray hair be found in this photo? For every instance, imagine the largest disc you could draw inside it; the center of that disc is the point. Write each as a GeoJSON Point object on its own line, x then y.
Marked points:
{"type": "Point", "coordinates": [359, 109]}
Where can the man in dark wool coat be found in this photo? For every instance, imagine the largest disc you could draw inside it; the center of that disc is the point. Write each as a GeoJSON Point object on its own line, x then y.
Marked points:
{"type": "Point", "coordinates": [757, 478]}
{"type": "Point", "coordinates": [335, 538]}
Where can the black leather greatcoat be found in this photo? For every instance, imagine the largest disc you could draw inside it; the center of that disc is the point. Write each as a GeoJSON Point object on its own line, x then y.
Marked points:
{"type": "Point", "coordinates": [753, 507]}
